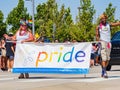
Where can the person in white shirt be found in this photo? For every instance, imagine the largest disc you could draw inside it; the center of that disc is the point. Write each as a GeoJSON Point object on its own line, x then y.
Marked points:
{"type": "Point", "coordinates": [22, 35]}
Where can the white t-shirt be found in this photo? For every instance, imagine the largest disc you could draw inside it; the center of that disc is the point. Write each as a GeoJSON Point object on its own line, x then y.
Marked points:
{"type": "Point", "coordinates": [105, 33]}
{"type": "Point", "coordinates": [21, 37]}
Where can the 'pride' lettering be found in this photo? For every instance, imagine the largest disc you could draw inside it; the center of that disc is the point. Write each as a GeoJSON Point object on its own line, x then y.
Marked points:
{"type": "Point", "coordinates": [44, 56]}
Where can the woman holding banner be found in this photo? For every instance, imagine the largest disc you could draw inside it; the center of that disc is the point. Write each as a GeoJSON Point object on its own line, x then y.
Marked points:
{"type": "Point", "coordinates": [22, 35]}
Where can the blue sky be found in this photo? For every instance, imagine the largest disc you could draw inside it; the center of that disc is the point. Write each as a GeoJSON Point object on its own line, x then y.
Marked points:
{"type": "Point", "coordinates": [7, 5]}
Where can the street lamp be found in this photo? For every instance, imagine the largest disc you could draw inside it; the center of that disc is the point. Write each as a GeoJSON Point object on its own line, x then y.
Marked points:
{"type": "Point", "coordinates": [33, 12]}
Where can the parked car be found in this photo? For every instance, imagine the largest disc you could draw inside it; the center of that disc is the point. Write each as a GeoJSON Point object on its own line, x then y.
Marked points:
{"type": "Point", "coordinates": [115, 51]}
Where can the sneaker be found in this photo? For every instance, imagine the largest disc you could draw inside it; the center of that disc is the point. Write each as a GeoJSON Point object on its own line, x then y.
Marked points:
{"type": "Point", "coordinates": [104, 75]}
{"type": "Point", "coordinates": [26, 75]}
{"type": "Point", "coordinates": [21, 76]}
{"type": "Point", "coordinates": [1, 70]}
{"type": "Point", "coordinates": [9, 70]}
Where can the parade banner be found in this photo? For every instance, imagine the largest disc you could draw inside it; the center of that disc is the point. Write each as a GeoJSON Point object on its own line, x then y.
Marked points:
{"type": "Point", "coordinates": [61, 58]}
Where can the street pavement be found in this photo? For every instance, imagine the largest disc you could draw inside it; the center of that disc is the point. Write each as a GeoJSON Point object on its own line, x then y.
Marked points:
{"type": "Point", "coordinates": [91, 81]}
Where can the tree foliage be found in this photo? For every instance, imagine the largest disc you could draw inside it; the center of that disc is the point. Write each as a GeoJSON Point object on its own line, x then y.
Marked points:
{"type": "Point", "coordinates": [110, 12]}
{"type": "Point", "coordinates": [53, 23]}
{"type": "Point", "coordinates": [15, 15]}
{"type": "Point", "coordinates": [2, 24]}
{"type": "Point", "coordinates": [85, 22]}
{"type": "Point", "coordinates": [57, 23]}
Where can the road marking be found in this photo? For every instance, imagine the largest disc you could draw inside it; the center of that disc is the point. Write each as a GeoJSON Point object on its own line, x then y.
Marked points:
{"type": "Point", "coordinates": [98, 79]}
{"type": "Point", "coordinates": [35, 80]}
{"type": "Point", "coordinates": [3, 75]}
{"type": "Point", "coordinates": [67, 80]}
{"type": "Point", "coordinates": [90, 80]}
{"type": "Point", "coordinates": [1, 79]}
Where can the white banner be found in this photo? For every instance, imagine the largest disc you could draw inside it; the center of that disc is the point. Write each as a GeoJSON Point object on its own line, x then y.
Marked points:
{"type": "Point", "coordinates": [52, 58]}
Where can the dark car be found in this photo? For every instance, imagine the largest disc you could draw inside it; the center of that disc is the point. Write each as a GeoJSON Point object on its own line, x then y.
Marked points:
{"type": "Point", "coordinates": [115, 51]}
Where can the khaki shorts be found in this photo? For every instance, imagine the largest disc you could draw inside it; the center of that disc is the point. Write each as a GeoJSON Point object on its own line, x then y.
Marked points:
{"type": "Point", "coordinates": [3, 52]}
{"type": "Point", "coordinates": [105, 50]}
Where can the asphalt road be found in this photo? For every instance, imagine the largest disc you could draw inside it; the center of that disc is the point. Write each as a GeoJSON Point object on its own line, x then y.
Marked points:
{"type": "Point", "coordinates": [91, 81]}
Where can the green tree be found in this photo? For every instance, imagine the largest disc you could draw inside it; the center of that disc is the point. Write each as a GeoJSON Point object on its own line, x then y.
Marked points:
{"type": "Point", "coordinates": [16, 14]}
{"type": "Point", "coordinates": [2, 24]}
{"type": "Point", "coordinates": [53, 23]}
{"type": "Point", "coordinates": [65, 22]}
{"type": "Point", "coordinates": [110, 12]}
{"type": "Point", "coordinates": [45, 18]}
{"type": "Point", "coordinates": [85, 20]}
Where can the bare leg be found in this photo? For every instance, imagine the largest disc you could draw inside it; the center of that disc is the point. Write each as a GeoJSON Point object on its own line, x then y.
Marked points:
{"type": "Point", "coordinates": [104, 65]}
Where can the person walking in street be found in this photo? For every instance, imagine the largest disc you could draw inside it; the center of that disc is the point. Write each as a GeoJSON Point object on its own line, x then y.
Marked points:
{"type": "Point", "coordinates": [3, 55]}
{"type": "Point", "coordinates": [10, 53]}
{"type": "Point", "coordinates": [97, 54]}
{"type": "Point", "coordinates": [92, 58]}
{"type": "Point", "coordinates": [22, 35]}
{"type": "Point", "coordinates": [103, 34]}
{"type": "Point", "coordinates": [0, 55]}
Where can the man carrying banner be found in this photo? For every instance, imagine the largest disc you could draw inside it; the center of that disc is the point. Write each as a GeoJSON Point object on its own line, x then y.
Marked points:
{"type": "Point", "coordinates": [103, 34]}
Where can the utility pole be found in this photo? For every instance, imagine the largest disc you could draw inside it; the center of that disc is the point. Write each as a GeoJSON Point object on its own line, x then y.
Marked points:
{"type": "Point", "coordinates": [33, 20]}
{"type": "Point", "coordinates": [79, 8]}
{"type": "Point", "coordinates": [33, 12]}
{"type": "Point", "coordinates": [54, 29]}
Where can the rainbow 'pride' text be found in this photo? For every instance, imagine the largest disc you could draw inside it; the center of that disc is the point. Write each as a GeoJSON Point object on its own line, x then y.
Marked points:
{"type": "Point", "coordinates": [60, 56]}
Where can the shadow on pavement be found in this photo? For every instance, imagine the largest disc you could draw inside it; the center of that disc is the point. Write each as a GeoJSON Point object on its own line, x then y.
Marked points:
{"type": "Point", "coordinates": [61, 77]}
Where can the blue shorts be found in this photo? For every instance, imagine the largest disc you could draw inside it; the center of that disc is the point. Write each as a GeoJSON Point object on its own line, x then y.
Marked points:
{"type": "Point", "coordinates": [10, 57]}
{"type": "Point", "coordinates": [92, 56]}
